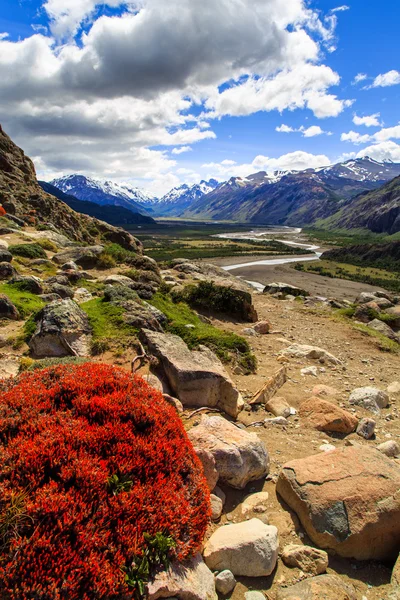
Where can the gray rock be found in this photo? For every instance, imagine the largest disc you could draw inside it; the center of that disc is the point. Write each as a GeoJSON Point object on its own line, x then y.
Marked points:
{"type": "Point", "coordinates": [366, 428]}
{"type": "Point", "coordinates": [5, 255]}
{"type": "Point", "coordinates": [308, 559]}
{"type": "Point", "coordinates": [62, 330]}
{"type": "Point", "coordinates": [197, 378]}
{"type": "Point", "coordinates": [85, 257]}
{"type": "Point", "coordinates": [7, 309]}
{"type": "Point", "coordinates": [384, 329]}
{"type": "Point", "coordinates": [365, 297]}
{"type": "Point", "coordinates": [6, 270]}
{"type": "Point", "coordinates": [225, 582]}
{"type": "Point", "coordinates": [63, 291]}
{"type": "Point", "coordinates": [191, 580]}
{"type": "Point", "coordinates": [369, 398]}
{"type": "Point", "coordinates": [28, 283]}
{"type": "Point", "coordinates": [70, 266]}
{"type": "Point", "coordinates": [389, 448]}
{"type": "Point", "coordinates": [313, 352]}
{"type": "Point", "coordinates": [216, 507]}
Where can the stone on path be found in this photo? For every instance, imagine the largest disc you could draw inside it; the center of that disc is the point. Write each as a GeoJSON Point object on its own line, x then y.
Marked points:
{"type": "Point", "coordinates": [348, 501]}
{"type": "Point", "coordinates": [369, 398]}
{"type": "Point", "coordinates": [308, 559]}
{"type": "Point", "coordinates": [262, 327]}
{"type": "Point", "coordinates": [366, 428]}
{"type": "Point", "coordinates": [197, 378]}
{"type": "Point", "coordinates": [322, 587]}
{"type": "Point", "coordinates": [191, 580]}
{"type": "Point", "coordinates": [239, 456]}
{"type": "Point", "coordinates": [225, 582]}
{"type": "Point", "coordinates": [249, 549]}
{"type": "Point", "coordinates": [278, 406]}
{"type": "Point", "coordinates": [312, 352]}
{"type": "Point", "coordinates": [325, 416]}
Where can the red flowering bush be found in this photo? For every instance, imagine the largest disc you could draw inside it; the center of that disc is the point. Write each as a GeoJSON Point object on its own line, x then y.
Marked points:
{"type": "Point", "coordinates": [2, 211]}
{"type": "Point", "coordinates": [93, 463]}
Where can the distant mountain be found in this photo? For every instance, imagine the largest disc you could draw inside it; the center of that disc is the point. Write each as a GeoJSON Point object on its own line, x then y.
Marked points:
{"type": "Point", "coordinates": [115, 215]}
{"type": "Point", "coordinates": [104, 192]}
{"type": "Point", "coordinates": [292, 198]}
{"type": "Point", "coordinates": [181, 198]}
{"type": "Point", "coordinates": [378, 211]}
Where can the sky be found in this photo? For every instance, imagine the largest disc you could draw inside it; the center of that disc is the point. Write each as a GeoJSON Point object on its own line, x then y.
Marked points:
{"type": "Point", "coordinates": [156, 93]}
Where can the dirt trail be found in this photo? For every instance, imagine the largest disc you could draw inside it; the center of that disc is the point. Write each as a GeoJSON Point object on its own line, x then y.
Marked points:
{"type": "Point", "coordinates": [363, 364]}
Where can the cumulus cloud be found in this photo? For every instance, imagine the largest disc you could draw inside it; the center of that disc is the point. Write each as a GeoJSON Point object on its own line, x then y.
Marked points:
{"type": "Point", "coordinates": [355, 138]}
{"type": "Point", "coordinates": [308, 132]}
{"type": "Point", "coordinates": [382, 152]}
{"type": "Point", "coordinates": [387, 79]}
{"type": "Point", "coordinates": [181, 150]}
{"type": "Point", "coordinates": [383, 135]}
{"type": "Point", "coordinates": [293, 161]}
{"type": "Point", "coordinates": [368, 120]}
{"type": "Point", "coordinates": [129, 84]}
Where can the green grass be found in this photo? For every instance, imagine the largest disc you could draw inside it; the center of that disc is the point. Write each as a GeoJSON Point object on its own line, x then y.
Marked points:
{"type": "Point", "coordinates": [107, 321]}
{"type": "Point", "coordinates": [28, 364]}
{"type": "Point", "coordinates": [226, 345]}
{"type": "Point", "coordinates": [26, 303]}
{"type": "Point", "coordinates": [27, 250]}
{"type": "Point", "coordinates": [384, 343]}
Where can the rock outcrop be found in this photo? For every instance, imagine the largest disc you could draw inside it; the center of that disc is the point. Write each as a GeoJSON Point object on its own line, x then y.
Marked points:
{"type": "Point", "coordinates": [348, 501]}
{"type": "Point", "coordinates": [239, 456]}
{"type": "Point", "coordinates": [197, 378]}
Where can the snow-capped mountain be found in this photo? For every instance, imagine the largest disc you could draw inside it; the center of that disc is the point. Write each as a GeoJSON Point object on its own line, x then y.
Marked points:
{"type": "Point", "coordinates": [180, 198]}
{"type": "Point", "coordinates": [104, 192]}
{"type": "Point", "coordinates": [362, 169]}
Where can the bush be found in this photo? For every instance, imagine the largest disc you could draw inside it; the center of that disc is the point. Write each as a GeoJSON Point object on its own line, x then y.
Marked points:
{"type": "Point", "coordinates": [28, 251]}
{"type": "Point", "coordinates": [97, 477]}
{"type": "Point", "coordinates": [47, 245]}
{"type": "Point", "coordinates": [106, 261]}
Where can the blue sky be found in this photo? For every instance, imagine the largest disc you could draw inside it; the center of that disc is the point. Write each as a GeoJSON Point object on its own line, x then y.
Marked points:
{"type": "Point", "coordinates": [156, 94]}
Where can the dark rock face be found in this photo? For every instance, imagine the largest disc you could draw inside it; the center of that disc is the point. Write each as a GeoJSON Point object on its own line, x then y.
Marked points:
{"type": "Point", "coordinates": [5, 255]}
{"type": "Point", "coordinates": [7, 309]}
{"type": "Point", "coordinates": [63, 291]}
{"type": "Point", "coordinates": [6, 270]}
{"type": "Point", "coordinates": [85, 257]}
{"type": "Point", "coordinates": [62, 330]}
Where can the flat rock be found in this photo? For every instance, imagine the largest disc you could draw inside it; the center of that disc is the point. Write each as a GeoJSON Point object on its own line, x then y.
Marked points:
{"type": "Point", "coordinates": [325, 391]}
{"type": "Point", "coordinates": [308, 559]}
{"type": "Point", "coordinates": [239, 456]}
{"type": "Point", "coordinates": [313, 352]}
{"type": "Point", "coordinates": [85, 257]}
{"type": "Point", "coordinates": [370, 398]}
{"type": "Point", "coordinates": [249, 549]}
{"type": "Point", "coordinates": [62, 330]}
{"type": "Point", "coordinates": [197, 378]}
{"type": "Point", "coordinates": [322, 587]}
{"type": "Point", "coordinates": [191, 580]}
{"type": "Point", "coordinates": [326, 416]}
{"type": "Point", "coordinates": [348, 501]}
{"type": "Point", "coordinates": [284, 288]}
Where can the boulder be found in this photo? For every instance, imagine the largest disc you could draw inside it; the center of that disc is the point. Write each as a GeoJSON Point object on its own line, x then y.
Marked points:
{"type": "Point", "coordinates": [197, 378]}
{"type": "Point", "coordinates": [191, 580]}
{"type": "Point", "coordinates": [28, 283]}
{"type": "Point", "coordinates": [225, 582]}
{"type": "Point", "coordinates": [394, 312]}
{"type": "Point", "coordinates": [249, 549]}
{"type": "Point", "coordinates": [7, 309]}
{"type": "Point", "coordinates": [86, 256]}
{"type": "Point", "coordinates": [366, 428]}
{"type": "Point", "coordinates": [308, 559]}
{"type": "Point", "coordinates": [62, 330]}
{"type": "Point", "coordinates": [209, 466]}
{"type": "Point", "coordinates": [313, 352]}
{"type": "Point", "coordinates": [239, 456]}
{"type": "Point", "coordinates": [384, 329]}
{"type": "Point", "coordinates": [348, 501]}
{"type": "Point", "coordinates": [278, 406]}
{"type": "Point", "coordinates": [6, 270]}
{"type": "Point", "coordinates": [322, 587]}
{"type": "Point", "coordinates": [69, 266]}
{"type": "Point", "coordinates": [389, 448]}
{"type": "Point", "coordinates": [117, 280]}
{"type": "Point", "coordinates": [325, 416]}
{"type": "Point", "coordinates": [82, 295]}
{"type": "Point", "coordinates": [64, 291]}
{"type": "Point", "coordinates": [370, 398]}
{"type": "Point", "coordinates": [5, 255]}
{"type": "Point", "coordinates": [284, 288]}
{"type": "Point", "coordinates": [365, 297]}
{"type": "Point", "coordinates": [262, 327]}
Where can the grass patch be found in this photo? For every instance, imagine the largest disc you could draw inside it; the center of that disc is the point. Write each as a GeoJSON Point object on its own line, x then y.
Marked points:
{"type": "Point", "coordinates": [384, 343]}
{"type": "Point", "coordinates": [26, 303]}
{"type": "Point", "coordinates": [227, 346]}
{"type": "Point", "coordinates": [27, 250]}
{"type": "Point", "coordinates": [28, 364]}
{"type": "Point", "coordinates": [107, 323]}
{"type": "Point", "coordinates": [91, 286]}
{"type": "Point", "coordinates": [47, 245]}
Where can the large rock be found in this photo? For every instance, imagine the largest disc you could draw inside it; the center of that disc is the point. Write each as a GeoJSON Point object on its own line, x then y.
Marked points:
{"type": "Point", "coordinates": [313, 352]}
{"type": "Point", "coordinates": [85, 257]}
{"type": "Point", "coordinates": [394, 312]}
{"type": "Point", "coordinates": [308, 559]}
{"type": "Point", "coordinates": [322, 587]}
{"type": "Point", "coordinates": [191, 580]}
{"type": "Point", "coordinates": [239, 456]}
{"type": "Point", "coordinates": [249, 549]}
{"type": "Point", "coordinates": [370, 398]}
{"type": "Point", "coordinates": [209, 466]}
{"type": "Point", "coordinates": [5, 255]}
{"type": "Point", "coordinates": [28, 283]}
{"type": "Point", "coordinates": [348, 501]}
{"type": "Point", "coordinates": [395, 582]}
{"type": "Point", "coordinates": [325, 416]}
{"type": "Point", "coordinates": [62, 330]}
{"type": "Point", "coordinates": [6, 270]}
{"type": "Point", "coordinates": [284, 288]}
{"type": "Point", "coordinates": [384, 329]}
{"type": "Point", "coordinates": [197, 378]}
{"type": "Point", "coordinates": [7, 309]}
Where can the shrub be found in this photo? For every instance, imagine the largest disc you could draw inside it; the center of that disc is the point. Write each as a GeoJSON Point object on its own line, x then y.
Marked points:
{"type": "Point", "coordinates": [106, 261]}
{"type": "Point", "coordinates": [28, 250]}
{"type": "Point", "coordinates": [47, 245]}
{"type": "Point", "coordinates": [71, 438]}
{"type": "Point", "coordinates": [219, 298]}
{"type": "Point", "coordinates": [2, 211]}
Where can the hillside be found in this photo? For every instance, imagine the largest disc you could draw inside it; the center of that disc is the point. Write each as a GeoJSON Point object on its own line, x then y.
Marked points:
{"type": "Point", "coordinates": [378, 211]}
{"type": "Point", "coordinates": [115, 215]}
{"type": "Point", "coordinates": [380, 256]}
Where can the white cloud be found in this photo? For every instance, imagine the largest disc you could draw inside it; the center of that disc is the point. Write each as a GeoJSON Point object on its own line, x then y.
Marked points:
{"type": "Point", "coordinates": [340, 8]}
{"type": "Point", "coordinates": [388, 133]}
{"type": "Point", "coordinates": [384, 151]}
{"type": "Point", "coordinates": [181, 150]}
{"type": "Point", "coordinates": [359, 77]}
{"type": "Point", "coordinates": [308, 132]}
{"type": "Point", "coordinates": [368, 120]}
{"type": "Point", "coordinates": [382, 135]}
{"type": "Point", "coordinates": [4, 35]}
{"type": "Point", "coordinates": [387, 79]}
{"type": "Point", "coordinates": [293, 161]}
{"type": "Point", "coordinates": [355, 138]}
